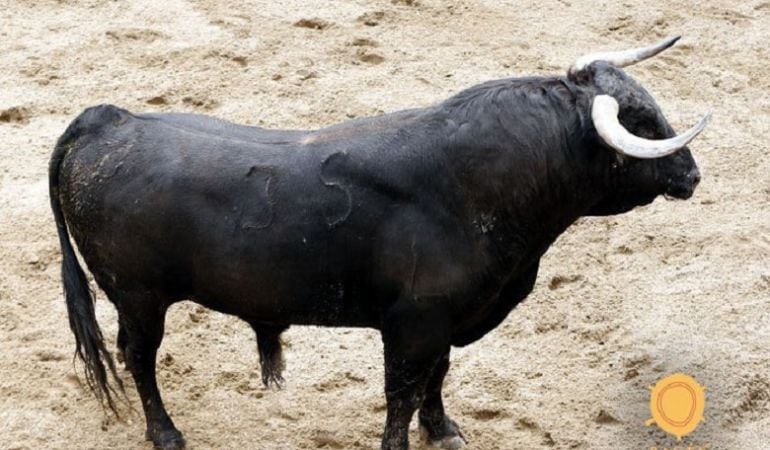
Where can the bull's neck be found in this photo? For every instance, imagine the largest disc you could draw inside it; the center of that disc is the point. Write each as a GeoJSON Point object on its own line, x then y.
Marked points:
{"type": "Point", "coordinates": [527, 171]}
{"type": "Point", "coordinates": [542, 204]}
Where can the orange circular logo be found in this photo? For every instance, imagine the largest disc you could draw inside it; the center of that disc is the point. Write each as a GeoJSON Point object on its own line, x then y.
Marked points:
{"type": "Point", "coordinates": [677, 403]}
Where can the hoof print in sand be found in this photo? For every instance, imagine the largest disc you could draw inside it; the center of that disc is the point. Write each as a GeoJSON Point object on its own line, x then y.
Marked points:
{"type": "Point", "coordinates": [16, 114]}
{"type": "Point", "coordinates": [313, 24]}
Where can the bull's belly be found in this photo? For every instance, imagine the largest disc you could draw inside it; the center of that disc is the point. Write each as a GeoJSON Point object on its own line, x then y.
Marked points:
{"type": "Point", "coordinates": [301, 300]}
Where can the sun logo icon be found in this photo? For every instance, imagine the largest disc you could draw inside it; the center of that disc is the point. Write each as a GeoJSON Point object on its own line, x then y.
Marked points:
{"type": "Point", "coordinates": [677, 403]}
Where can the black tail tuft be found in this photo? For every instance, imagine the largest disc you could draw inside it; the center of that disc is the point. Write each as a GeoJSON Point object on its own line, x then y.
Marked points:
{"type": "Point", "coordinates": [89, 342]}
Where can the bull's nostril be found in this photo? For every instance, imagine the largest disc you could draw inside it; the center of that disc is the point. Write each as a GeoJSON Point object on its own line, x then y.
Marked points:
{"type": "Point", "coordinates": [695, 178]}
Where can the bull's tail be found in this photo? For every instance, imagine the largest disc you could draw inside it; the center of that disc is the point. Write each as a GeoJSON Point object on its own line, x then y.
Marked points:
{"type": "Point", "coordinates": [89, 343]}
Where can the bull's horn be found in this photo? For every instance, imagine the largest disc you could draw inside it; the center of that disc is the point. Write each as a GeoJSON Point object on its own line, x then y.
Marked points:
{"type": "Point", "coordinates": [604, 113]}
{"type": "Point", "coordinates": [623, 58]}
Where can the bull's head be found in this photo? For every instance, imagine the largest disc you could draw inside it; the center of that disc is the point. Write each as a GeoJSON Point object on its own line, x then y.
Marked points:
{"type": "Point", "coordinates": [650, 158]}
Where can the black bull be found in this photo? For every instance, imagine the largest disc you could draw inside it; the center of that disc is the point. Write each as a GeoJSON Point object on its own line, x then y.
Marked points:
{"type": "Point", "coordinates": [426, 224]}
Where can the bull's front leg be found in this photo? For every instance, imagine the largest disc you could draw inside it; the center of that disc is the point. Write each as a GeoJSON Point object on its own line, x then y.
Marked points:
{"type": "Point", "coordinates": [435, 425]}
{"type": "Point", "coordinates": [415, 341]}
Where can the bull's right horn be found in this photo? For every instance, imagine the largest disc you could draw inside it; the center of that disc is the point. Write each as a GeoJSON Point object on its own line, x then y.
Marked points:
{"type": "Point", "coordinates": [604, 113]}
{"type": "Point", "coordinates": [623, 58]}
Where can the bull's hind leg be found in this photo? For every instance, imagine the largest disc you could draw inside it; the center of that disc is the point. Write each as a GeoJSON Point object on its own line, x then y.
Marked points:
{"type": "Point", "coordinates": [435, 425]}
{"type": "Point", "coordinates": [142, 320]}
{"type": "Point", "coordinates": [270, 353]}
{"type": "Point", "coordinates": [415, 341]}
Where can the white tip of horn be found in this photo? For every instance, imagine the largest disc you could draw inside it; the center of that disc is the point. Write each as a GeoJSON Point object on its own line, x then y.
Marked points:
{"type": "Point", "coordinates": [623, 58]}
{"type": "Point", "coordinates": [604, 114]}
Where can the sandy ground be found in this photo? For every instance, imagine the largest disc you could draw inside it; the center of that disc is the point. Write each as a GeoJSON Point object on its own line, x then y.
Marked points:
{"type": "Point", "coordinates": [620, 302]}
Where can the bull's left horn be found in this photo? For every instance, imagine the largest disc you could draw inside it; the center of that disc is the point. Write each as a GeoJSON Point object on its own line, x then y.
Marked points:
{"type": "Point", "coordinates": [623, 58]}
{"type": "Point", "coordinates": [604, 113]}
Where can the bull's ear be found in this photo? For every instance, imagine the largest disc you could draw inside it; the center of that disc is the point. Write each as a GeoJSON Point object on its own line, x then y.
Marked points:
{"type": "Point", "coordinates": [584, 76]}
{"type": "Point", "coordinates": [602, 77]}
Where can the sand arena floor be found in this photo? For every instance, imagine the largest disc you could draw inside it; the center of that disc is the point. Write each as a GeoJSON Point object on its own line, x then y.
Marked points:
{"type": "Point", "coordinates": [620, 302]}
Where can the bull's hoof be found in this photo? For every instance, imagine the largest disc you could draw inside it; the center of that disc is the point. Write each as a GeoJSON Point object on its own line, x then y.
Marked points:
{"type": "Point", "coordinates": [448, 437]}
{"type": "Point", "coordinates": [166, 439]}
{"type": "Point", "coordinates": [445, 443]}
